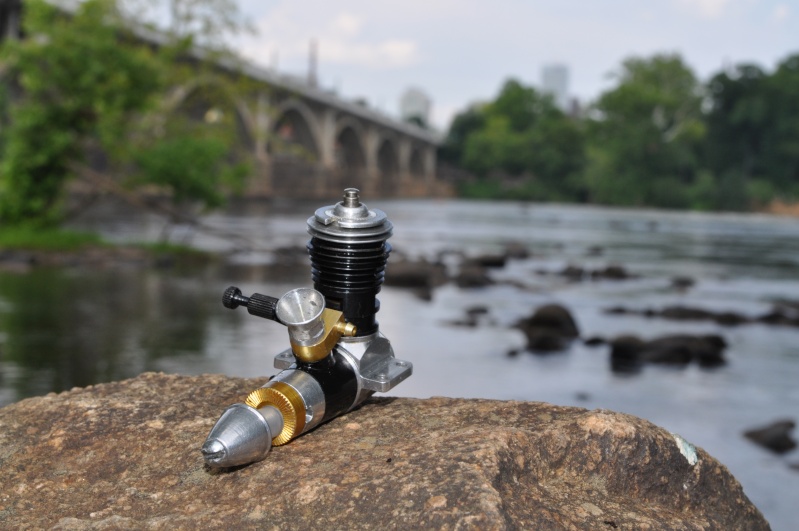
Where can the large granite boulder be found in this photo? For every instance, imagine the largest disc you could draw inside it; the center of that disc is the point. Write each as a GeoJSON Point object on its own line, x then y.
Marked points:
{"type": "Point", "coordinates": [126, 455]}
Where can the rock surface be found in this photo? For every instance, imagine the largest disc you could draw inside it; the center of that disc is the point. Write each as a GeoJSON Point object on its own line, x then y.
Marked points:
{"type": "Point", "coordinates": [125, 455]}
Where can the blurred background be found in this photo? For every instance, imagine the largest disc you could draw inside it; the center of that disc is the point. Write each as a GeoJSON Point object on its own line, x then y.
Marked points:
{"type": "Point", "coordinates": [594, 205]}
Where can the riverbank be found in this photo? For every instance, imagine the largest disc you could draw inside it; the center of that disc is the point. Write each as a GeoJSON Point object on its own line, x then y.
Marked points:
{"type": "Point", "coordinates": [23, 248]}
{"type": "Point", "coordinates": [781, 208]}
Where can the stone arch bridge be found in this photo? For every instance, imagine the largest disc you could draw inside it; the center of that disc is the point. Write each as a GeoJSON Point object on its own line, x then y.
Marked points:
{"type": "Point", "coordinates": [311, 142]}
{"type": "Point", "coordinates": [306, 142]}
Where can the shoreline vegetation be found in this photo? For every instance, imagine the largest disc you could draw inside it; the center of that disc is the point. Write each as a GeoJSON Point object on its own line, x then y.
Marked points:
{"type": "Point", "coordinates": [495, 192]}
{"type": "Point", "coordinates": [22, 248]}
{"type": "Point", "coordinates": [31, 238]}
{"type": "Point", "coordinates": [660, 137]}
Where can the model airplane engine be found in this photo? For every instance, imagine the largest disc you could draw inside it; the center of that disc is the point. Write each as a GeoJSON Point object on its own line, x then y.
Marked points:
{"type": "Point", "coordinates": [337, 356]}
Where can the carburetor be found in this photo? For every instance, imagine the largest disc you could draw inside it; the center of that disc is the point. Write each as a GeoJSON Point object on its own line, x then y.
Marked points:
{"type": "Point", "coordinates": [337, 356]}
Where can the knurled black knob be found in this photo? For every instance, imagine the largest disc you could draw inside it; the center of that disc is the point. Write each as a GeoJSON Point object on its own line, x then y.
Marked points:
{"type": "Point", "coordinates": [263, 306]}
{"type": "Point", "coordinates": [258, 305]}
{"type": "Point", "coordinates": [232, 298]}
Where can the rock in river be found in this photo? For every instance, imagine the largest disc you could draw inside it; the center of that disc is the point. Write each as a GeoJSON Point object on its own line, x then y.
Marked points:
{"type": "Point", "coordinates": [420, 276]}
{"type": "Point", "coordinates": [126, 455]}
{"type": "Point", "coordinates": [776, 436]}
{"type": "Point", "coordinates": [629, 353]}
{"type": "Point", "coordinates": [610, 272]}
{"type": "Point", "coordinates": [472, 276]}
{"type": "Point", "coordinates": [550, 328]}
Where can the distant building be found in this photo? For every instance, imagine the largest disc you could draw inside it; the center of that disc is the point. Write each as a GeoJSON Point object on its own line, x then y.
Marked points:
{"type": "Point", "coordinates": [555, 81]}
{"type": "Point", "coordinates": [415, 107]}
{"type": "Point", "coordinates": [576, 109]}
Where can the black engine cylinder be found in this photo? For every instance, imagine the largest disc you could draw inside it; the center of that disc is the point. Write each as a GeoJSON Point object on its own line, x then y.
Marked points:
{"type": "Point", "coordinates": [349, 275]}
{"type": "Point", "coordinates": [349, 251]}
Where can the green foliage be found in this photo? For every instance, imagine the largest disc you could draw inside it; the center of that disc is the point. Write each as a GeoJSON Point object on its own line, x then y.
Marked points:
{"type": "Point", "coordinates": [463, 125]}
{"type": "Point", "coordinates": [761, 192]}
{"type": "Point", "coordinates": [781, 132]}
{"type": "Point", "coordinates": [494, 147]}
{"type": "Point", "coordinates": [520, 138]}
{"type": "Point", "coordinates": [647, 138]}
{"type": "Point", "coordinates": [753, 133]}
{"type": "Point", "coordinates": [193, 168]}
{"type": "Point", "coordinates": [66, 99]}
{"type": "Point", "coordinates": [735, 120]}
{"type": "Point", "coordinates": [657, 138]}
{"type": "Point", "coordinates": [93, 94]}
{"type": "Point", "coordinates": [28, 237]}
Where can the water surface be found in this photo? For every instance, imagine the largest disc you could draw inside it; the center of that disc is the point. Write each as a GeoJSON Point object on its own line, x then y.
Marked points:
{"type": "Point", "coordinates": [68, 327]}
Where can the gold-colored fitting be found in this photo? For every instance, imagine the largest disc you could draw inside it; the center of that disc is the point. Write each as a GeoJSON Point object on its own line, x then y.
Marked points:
{"type": "Point", "coordinates": [335, 328]}
{"type": "Point", "coordinates": [290, 404]}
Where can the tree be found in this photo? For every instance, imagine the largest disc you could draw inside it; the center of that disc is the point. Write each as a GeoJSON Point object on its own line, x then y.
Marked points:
{"type": "Point", "coordinates": [93, 96]}
{"type": "Point", "coordinates": [753, 134]}
{"type": "Point", "coordinates": [464, 124]}
{"type": "Point", "coordinates": [736, 121]}
{"type": "Point", "coordinates": [645, 141]}
{"type": "Point", "coordinates": [523, 139]}
{"type": "Point", "coordinates": [781, 134]}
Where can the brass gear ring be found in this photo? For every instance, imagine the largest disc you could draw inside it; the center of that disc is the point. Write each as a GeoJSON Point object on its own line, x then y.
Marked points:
{"type": "Point", "coordinates": [290, 404]}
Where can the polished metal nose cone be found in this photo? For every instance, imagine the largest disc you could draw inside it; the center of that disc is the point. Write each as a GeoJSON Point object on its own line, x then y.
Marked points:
{"type": "Point", "coordinates": [240, 436]}
{"type": "Point", "coordinates": [214, 450]}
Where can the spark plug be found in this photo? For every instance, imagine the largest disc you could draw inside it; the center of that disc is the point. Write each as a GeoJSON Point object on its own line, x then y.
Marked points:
{"type": "Point", "coordinates": [337, 356]}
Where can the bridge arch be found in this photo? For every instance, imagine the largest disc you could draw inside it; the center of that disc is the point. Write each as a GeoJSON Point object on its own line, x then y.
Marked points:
{"type": "Point", "coordinates": [387, 158]}
{"type": "Point", "coordinates": [416, 163]}
{"type": "Point", "coordinates": [296, 131]}
{"type": "Point", "coordinates": [349, 149]}
{"type": "Point", "coordinates": [210, 101]}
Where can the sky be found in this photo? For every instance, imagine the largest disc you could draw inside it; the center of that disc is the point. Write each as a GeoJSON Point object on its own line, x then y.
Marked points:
{"type": "Point", "coordinates": [460, 52]}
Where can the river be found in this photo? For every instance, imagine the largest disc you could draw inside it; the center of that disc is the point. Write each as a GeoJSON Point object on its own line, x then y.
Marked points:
{"type": "Point", "coordinates": [68, 327]}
